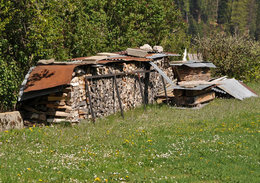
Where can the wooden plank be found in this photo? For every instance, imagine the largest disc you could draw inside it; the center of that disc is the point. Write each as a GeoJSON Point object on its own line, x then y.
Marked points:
{"type": "Point", "coordinates": [204, 98]}
{"type": "Point", "coordinates": [58, 114]}
{"type": "Point", "coordinates": [184, 100]}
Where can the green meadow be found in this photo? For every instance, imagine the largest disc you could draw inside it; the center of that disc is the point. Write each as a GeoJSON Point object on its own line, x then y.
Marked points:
{"type": "Point", "coordinates": [218, 143]}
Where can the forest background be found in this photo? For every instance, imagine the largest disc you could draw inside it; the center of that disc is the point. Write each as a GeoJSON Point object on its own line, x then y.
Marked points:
{"type": "Point", "coordinates": [227, 32]}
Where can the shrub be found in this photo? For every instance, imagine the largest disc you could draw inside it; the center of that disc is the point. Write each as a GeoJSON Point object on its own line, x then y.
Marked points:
{"type": "Point", "coordinates": [234, 56]}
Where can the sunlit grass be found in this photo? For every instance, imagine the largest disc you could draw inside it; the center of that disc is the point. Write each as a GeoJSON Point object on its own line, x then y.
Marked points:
{"type": "Point", "coordinates": [218, 143]}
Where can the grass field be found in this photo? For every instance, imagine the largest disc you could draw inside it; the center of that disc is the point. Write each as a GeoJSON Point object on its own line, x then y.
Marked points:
{"type": "Point", "coordinates": [218, 143]}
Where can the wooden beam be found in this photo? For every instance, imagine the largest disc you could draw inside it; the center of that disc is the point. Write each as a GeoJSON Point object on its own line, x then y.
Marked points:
{"type": "Point", "coordinates": [118, 74]}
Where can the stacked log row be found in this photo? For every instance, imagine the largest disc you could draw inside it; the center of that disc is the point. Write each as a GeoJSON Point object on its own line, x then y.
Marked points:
{"type": "Point", "coordinates": [72, 103]}
{"type": "Point", "coordinates": [193, 74]}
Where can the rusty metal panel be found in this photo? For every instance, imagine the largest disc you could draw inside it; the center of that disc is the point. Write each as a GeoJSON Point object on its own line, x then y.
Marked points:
{"type": "Point", "coordinates": [49, 76]}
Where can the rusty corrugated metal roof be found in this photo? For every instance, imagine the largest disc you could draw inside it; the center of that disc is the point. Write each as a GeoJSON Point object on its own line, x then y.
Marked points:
{"type": "Point", "coordinates": [49, 76]}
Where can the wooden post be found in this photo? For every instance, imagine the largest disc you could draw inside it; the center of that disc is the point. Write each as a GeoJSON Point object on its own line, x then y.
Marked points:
{"type": "Point", "coordinates": [165, 91]}
{"type": "Point", "coordinates": [119, 99]}
{"type": "Point", "coordinates": [141, 90]}
{"type": "Point", "coordinates": [146, 84]}
{"type": "Point", "coordinates": [90, 102]}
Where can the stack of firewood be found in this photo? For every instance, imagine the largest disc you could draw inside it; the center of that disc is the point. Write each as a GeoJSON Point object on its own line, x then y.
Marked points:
{"type": "Point", "coordinates": [73, 104]}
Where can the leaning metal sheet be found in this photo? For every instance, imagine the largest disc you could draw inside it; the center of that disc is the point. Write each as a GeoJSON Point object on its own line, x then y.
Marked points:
{"type": "Point", "coordinates": [235, 89]}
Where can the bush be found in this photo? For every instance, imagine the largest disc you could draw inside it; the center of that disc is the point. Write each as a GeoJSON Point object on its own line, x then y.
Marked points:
{"type": "Point", "coordinates": [234, 56]}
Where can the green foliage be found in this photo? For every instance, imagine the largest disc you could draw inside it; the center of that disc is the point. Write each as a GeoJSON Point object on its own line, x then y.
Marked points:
{"type": "Point", "coordinates": [32, 30]}
{"type": "Point", "coordinates": [218, 143]}
{"type": "Point", "coordinates": [235, 56]}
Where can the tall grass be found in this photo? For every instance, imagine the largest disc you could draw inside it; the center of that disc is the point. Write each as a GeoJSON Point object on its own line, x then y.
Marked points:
{"type": "Point", "coordinates": [218, 143]}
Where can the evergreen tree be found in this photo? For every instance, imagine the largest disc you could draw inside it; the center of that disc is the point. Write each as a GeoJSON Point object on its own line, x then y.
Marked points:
{"type": "Point", "coordinates": [223, 12]}
{"type": "Point", "coordinates": [257, 32]}
{"type": "Point", "coordinates": [239, 17]}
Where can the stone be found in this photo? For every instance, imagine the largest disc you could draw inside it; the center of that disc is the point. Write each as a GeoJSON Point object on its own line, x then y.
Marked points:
{"type": "Point", "coordinates": [158, 49]}
{"type": "Point", "coordinates": [11, 120]}
{"type": "Point", "coordinates": [146, 47]}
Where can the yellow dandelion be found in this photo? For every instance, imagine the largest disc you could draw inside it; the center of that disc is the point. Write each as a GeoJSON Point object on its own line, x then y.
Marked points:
{"type": "Point", "coordinates": [30, 129]}
{"type": "Point", "coordinates": [29, 169]}
{"type": "Point", "coordinates": [84, 150]}
{"type": "Point", "coordinates": [6, 131]}
{"type": "Point", "coordinates": [126, 141]}
{"type": "Point", "coordinates": [33, 126]}
{"type": "Point", "coordinates": [106, 180]}
{"type": "Point", "coordinates": [40, 180]}
{"type": "Point", "coordinates": [97, 179]}
{"type": "Point", "coordinates": [149, 140]}
{"type": "Point", "coordinates": [19, 175]}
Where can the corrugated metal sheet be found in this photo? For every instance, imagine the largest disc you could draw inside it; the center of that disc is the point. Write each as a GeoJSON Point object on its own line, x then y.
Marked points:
{"type": "Point", "coordinates": [199, 87]}
{"type": "Point", "coordinates": [161, 55]}
{"type": "Point", "coordinates": [236, 89]}
{"type": "Point", "coordinates": [194, 64]}
{"type": "Point", "coordinates": [155, 56]}
{"type": "Point", "coordinates": [49, 76]}
{"type": "Point", "coordinates": [172, 54]}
